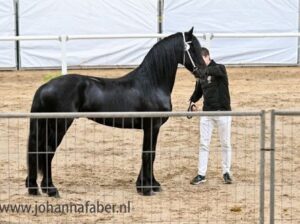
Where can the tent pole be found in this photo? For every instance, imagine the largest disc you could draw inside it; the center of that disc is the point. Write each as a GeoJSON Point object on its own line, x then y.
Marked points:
{"type": "Point", "coordinates": [160, 9]}
{"type": "Point", "coordinates": [16, 6]}
{"type": "Point", "coordinates": [298, 61]}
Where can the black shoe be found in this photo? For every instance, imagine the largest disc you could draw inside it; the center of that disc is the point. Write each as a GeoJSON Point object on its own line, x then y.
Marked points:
{"type": "Point", "coordinates": [198, 180]}
{"type": "Point", "coordinates": [227, 178]}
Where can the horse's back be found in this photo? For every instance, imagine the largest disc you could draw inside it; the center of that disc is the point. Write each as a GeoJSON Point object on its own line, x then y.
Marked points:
{"type": "Point", "coordinates": [78, 93]}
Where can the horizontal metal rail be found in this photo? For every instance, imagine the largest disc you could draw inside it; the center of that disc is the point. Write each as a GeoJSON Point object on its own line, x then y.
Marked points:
{"type": "Point", "coordinates": [28, 38]}
{"type": "Point", "coordinates": [286, 113]}
{"type": "Point", "coordinates": [254, 35]}
{"type": "Point", "coordinates": [120, 36]}
{"type": "Point", "coordinates": [82, 37]}
{"type": "Point", "coordinates": [150, 35]}
{"type": "Point", "coordinates": [129, 114]}
{"type": "Point", "coordinates": [206, 36]}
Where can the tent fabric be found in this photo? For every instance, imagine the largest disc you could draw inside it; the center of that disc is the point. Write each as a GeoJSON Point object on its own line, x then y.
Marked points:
{"type": "Point", "coordinates": [7, 24]}
{"type": "Point", "coordinates": [233, 16]}
{"type": "Point", "coordinates": [71, 17]}
{"type": "Point", "coordinates": [77, 17]}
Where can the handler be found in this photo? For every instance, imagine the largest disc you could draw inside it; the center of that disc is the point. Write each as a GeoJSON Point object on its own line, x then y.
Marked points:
{"type": "Point", "coordinates": [214, 88]}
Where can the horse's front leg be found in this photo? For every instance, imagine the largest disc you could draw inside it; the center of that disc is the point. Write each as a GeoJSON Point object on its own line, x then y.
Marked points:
{"type": "Point", "coordinates": [146, 184]}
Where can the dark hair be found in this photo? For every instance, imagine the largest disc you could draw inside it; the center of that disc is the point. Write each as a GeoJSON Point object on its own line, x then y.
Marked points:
{"type": "Point", "coordinates": [204, 52]}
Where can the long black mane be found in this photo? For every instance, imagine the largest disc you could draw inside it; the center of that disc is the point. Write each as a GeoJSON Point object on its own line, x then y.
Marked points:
{"type": "Point", "coordinates": [164, 56]}
{"type": "Point", "coordinates": [159, 66]}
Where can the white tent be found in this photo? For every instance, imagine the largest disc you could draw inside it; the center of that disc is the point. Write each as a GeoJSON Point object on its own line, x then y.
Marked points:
{"type": "Point", "coordinates": [71, 17]}
{"type": "Point", "coordinates": [7, 25]}
{"type": "Point", "coordinates": [233, 16]}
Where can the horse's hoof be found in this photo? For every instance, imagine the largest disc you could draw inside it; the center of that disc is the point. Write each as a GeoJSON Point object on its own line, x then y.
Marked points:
{"type": "Point", "coordinates": [157, 189]}
{"type": "Point", "coordinates": [33, 188]}
{"type": "Point", "coordinates": [34, 191]}
{"type": "Point", "coordinates": [148, 193]}
{"type": "Point", "coordinates": [145, 192]}
{"type": "Point", "coordinates": [52, 192]}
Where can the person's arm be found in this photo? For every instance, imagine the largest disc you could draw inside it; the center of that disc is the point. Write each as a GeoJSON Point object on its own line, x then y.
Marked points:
{"type": "Point", "coordinates": [197, 94]}
{"type": "Point", "coordinates": [217, 71]}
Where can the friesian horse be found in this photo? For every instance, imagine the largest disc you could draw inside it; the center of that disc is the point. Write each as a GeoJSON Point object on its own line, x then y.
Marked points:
{"type": "Point", "coordinates": [147, 88]}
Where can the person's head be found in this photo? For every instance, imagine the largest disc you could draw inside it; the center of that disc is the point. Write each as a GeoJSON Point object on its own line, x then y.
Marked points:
{"type": "Point", "coordinates": [205, 55]}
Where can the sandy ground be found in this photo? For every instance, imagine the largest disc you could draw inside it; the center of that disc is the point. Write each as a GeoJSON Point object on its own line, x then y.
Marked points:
{"type": "Point", "coordinates": [98, 163]}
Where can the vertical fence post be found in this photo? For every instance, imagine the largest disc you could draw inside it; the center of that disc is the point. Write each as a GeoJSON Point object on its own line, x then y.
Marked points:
{"type": "Point", "coordinates": [63, 43]}
{"type": "Point", "coordinates": [16, 7]}
{"type": "Point", "coordinates": [272, 168]}
{"type": "Point", "coordinates": [262, 168]}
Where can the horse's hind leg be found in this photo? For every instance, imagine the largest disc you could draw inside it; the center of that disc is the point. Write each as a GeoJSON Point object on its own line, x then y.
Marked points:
{"type": "Point", "coordinates": [56, 131]}
{"type": "Point", "coordinates": [34, 143]}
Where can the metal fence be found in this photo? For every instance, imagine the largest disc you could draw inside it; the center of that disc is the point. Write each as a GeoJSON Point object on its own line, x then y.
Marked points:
{"type": "Point", "coordinates": [284, 167]}
{"type": "Point", "coordinates": [95, 163]}
{"type": "Point", "coordinates": [98, 163]}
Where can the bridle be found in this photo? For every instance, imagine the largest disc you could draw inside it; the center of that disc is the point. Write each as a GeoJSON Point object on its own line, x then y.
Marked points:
{"type": "Point", "coordinates": [195, 68]}
{"type": "Point", "coordinates": [186, 50]}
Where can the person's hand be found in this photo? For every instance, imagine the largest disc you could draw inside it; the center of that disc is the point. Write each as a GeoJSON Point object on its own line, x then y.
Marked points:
{"type": "Point", "coordinates": [200, 73]}
{"type": "Point", "coordinates": [193, 107]}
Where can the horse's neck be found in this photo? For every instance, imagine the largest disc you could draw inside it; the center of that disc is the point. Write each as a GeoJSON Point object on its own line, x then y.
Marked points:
{"type": "Point", "coordinates": [161, 70]}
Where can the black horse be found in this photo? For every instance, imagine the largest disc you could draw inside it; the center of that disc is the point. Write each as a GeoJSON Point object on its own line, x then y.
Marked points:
{"type": "Point", "coordinates": [147, 88]}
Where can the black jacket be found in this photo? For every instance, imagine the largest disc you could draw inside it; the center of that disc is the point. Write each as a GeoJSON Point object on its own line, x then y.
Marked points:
{"type": "Point", "coordinates": [214, 88]}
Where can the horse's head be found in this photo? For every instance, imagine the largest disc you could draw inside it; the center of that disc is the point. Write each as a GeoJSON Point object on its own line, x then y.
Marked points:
{"type": "Point", "coordinates": [192, 58]}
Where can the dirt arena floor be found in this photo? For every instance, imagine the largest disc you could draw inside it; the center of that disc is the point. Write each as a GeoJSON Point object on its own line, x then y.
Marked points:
{"type": "Point", "coordinates": [98, 164]}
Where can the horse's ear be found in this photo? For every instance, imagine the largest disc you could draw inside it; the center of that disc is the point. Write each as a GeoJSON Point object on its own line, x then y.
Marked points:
{"type": "Point", "coordinates": [190, 33]}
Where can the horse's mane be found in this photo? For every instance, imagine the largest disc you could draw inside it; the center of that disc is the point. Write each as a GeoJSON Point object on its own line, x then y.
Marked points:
{"type": "Point", "coordinates": [163, 55]}
{"type": "Point", "coordinates": [162, 59]}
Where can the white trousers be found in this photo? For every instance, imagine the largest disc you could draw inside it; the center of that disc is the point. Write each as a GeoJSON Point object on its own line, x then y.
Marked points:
{"type": "Point", "coordinates": [224, 129]}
